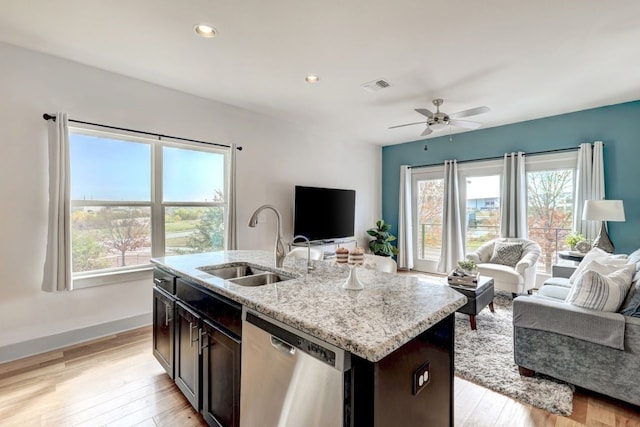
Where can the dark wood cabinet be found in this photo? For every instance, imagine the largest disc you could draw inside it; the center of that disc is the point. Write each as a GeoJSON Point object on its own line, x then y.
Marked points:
{"type": "Point", "coordinates": [188, 361]}
{"type": "Point", "coordinates": [220, 376]}
{"type": "Point", "coordinates": [197, 340]}
{"type": "Point", "coordinates": [163, 314]}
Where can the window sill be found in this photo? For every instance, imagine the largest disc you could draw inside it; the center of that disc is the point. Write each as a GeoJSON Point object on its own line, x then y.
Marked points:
{"type": "Point", "coordinates": [113, 277]}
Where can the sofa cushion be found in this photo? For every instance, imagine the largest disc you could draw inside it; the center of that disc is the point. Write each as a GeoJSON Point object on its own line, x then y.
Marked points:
{"type": "Point", "coordinates": [555, 287]}
{"type": "Point", "coordinates": [506, 253]}
{"type": "Point", "coordinates": [631, 304]}
{"type": "Point", "coordinates": [599, 288]}
{"type": "Point", "coordinates": [546, 314]}
{"type": "Point", "coordinates": [633, 307]}
{"type": "Point", "coordinates": [596, 254]}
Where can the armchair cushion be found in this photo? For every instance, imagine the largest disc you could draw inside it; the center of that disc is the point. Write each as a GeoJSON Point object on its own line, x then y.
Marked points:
{"type": "Point", "coordinates": [501, 273]}
{"type": "Point", "coordinates": [506, 253]}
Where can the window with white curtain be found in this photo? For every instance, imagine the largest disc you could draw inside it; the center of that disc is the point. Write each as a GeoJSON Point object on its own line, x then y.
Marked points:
{"type": "Point", "coordinates": [550, 185]}
{"type": "Point", "coordinates": [550, 194]}
{"type": "Point", "coordinates": [134, 198]}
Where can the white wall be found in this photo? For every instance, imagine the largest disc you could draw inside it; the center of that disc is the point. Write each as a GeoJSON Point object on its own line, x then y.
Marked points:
{"type": "Point", "coordinates": [277, 155]}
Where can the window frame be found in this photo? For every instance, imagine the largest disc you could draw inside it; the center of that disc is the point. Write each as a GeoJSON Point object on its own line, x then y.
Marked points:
{"type": "Point", "coordinates": [156, 204]}
{"type": "Point", "coordinates": [477, 168]}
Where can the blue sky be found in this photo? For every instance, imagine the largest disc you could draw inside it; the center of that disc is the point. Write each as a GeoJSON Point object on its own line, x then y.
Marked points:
{"type": "Point", "coordinates": [110, 169]}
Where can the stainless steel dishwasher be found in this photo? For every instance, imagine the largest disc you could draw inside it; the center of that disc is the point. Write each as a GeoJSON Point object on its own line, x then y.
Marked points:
{"type": "Point", "coordinates": [291, 379]}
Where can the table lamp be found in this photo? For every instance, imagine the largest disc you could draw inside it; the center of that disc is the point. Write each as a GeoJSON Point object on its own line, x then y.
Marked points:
{"type": "Point", "coordinates": [603, 210]}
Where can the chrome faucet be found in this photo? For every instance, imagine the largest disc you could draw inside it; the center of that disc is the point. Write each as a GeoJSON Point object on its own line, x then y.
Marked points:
{"type": "Point", "coordinates": [279, 249]}
{"type": "Point", "coordinates": [309, 265]}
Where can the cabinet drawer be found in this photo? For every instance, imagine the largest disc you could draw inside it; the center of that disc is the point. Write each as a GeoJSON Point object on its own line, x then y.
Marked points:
{"type": "Point", "coordinates": [221, 310]}
{"type": "Point", "coordinates": [164, 280]}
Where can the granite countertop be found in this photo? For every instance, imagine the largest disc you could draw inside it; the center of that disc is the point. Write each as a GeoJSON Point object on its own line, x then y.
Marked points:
{"type": "Point", "coordinates": [371, 323]}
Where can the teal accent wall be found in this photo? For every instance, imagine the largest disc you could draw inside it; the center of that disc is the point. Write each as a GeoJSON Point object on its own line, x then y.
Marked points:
{"type": "Point", "coordinates": [618, 126]}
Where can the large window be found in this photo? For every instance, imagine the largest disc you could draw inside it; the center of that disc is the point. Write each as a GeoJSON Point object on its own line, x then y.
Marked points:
{"type": "Point", "coordinates": [550, 189]}
{"type": "Point", "coordinates": [428, 190]}
{"type": "Point", "coordinates": [134, 198]}
{"type": "Point", "coordinates": [550, 194]}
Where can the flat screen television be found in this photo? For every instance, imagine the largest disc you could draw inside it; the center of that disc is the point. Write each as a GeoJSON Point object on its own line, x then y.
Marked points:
{"type": "Point", "coordinates": [324, 213]}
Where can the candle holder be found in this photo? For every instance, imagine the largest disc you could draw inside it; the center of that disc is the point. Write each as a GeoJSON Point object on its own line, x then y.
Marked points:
{"type": "Point", "coordinates": [352, 282]}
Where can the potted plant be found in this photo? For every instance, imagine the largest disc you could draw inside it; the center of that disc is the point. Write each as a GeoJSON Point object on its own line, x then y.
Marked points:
{"type": "Point", "coordinates": [572, 239]}
{"type": "Point", "coordinates": [381, 245]}
{"type": "Point", "coordinates": [467, 266]}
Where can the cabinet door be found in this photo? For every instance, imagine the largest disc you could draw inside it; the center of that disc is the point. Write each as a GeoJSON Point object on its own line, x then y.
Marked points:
{"type": "Point", "coordinates": [187, 366]}
{"type": "Point", "coordinates": [220, 377]}
{"type": "Point", "coordinates": [163, 312]}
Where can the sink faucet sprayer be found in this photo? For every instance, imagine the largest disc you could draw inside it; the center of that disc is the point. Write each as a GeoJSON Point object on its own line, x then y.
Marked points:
{"type": "Point", "coordinates": [309, 265]}
{"type": "Point", "coordinates": [279, 249]}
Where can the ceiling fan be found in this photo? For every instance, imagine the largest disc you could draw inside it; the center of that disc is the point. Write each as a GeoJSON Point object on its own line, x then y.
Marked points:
{"type": "Point", "coordinates": [436, 121]}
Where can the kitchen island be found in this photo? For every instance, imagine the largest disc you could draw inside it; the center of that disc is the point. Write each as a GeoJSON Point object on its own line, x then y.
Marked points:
{"type": "Point", "coordinates": [398, 330]}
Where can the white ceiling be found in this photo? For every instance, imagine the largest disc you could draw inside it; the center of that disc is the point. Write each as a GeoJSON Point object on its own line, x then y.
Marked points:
{"type": "Point", "coordinates": [523, 59]}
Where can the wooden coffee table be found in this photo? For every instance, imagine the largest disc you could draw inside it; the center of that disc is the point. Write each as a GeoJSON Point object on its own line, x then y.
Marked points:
{"type": "Point", "coordinates": [477, 298]}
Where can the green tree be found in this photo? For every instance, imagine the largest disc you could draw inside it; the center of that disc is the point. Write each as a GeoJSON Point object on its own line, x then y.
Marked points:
{"type": "Point", "coordinates": [550, 208]}
{"type": "Point", "coordinates": [430, 197]}
{"type": "Point", "coordinates": [86, 253]}
{"type": "Point", "coordinates": [209, 234]}
{"type": "Point", "coordinates": [126, 230]}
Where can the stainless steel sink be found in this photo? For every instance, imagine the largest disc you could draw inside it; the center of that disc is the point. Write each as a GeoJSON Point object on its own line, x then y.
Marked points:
{"type": "Point", "coordinates": [232, 271]}
{"type": "Point", "coordinates": [244, 274]}
{"type": "Point", "coordinates": [265, 278]}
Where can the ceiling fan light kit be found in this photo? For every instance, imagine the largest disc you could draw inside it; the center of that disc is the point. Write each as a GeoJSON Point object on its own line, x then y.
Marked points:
{"type": "Point", "coordinates": [439, 120]}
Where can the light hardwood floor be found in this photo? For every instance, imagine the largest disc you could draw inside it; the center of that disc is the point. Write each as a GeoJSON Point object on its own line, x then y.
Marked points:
{"type": "Point", "coordinates": [115, 381]}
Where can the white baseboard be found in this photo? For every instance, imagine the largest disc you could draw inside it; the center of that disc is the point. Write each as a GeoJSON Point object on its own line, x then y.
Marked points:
{"type": "Point", "coordinates": [23, 349]}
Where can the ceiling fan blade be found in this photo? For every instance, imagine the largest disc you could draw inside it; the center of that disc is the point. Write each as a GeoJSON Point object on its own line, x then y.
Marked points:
{"type": "Point", "coordinates": [465, 124]}
{"type": "Point", "coordinates": [426, 132]}
{"type": "Point", "coordinates": [407, 124]}
{"type": "Point", "coordinates": [470, 112]}
{"type": "Point", "coordinates": [424, 112]}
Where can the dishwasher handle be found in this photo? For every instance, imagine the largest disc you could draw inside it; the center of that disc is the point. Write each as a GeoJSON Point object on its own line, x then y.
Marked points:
{"type": "Point", "coordinates": [282, 346]}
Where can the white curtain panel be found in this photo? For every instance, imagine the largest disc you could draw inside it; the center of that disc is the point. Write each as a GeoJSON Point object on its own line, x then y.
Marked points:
{"type": "Point", "coordinates": [513, 202]}
{"type": "Point", "coordinates": [405, 226]}
{"type": "Point", "coordinates": [232, 228]}
{"type": "Point", "coordinates": [589, 186]}
{"type": "Point", "coordinates": [57, 265]}
{"type": "Point", "coordinates": [452, 249]}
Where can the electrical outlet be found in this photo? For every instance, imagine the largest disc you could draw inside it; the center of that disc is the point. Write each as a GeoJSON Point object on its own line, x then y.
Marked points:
{"type": "Point", "coordinates": [421, 378]}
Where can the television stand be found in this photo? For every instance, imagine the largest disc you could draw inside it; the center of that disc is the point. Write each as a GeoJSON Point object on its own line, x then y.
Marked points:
{"type": "Point", "coordinates": [329, 246]}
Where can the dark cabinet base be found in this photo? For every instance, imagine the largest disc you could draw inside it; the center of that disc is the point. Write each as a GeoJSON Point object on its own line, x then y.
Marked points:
{"type": "Point", "coordinates": [383, 392]}
{"type": "Point", "coordinates": [196, 338]}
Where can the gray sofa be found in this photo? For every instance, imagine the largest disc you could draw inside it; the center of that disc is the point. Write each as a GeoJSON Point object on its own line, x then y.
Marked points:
{"type": "Point", "coordinates": [596, 350]}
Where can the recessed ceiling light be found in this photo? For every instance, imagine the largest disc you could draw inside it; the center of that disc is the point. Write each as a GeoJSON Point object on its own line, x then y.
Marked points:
{"type": "Point", "coordinates": [311, 78]}
{"type": "Point", "coordinates": [205, 30]}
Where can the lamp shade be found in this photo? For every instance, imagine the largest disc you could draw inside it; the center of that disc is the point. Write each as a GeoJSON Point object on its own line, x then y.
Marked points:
{"type": "Point", "coordinates": [603, 210]}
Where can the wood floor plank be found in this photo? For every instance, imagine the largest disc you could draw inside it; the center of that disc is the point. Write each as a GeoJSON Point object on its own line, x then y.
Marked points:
{"type": "Point", "coordinates": [115, 381]}
{"type": "Point", "coordinates": [466, 401]}
{"type": "Point", "coordinates": [185, 416]}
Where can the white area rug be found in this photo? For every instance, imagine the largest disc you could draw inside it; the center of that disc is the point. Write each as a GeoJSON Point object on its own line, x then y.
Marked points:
{"type": "Point", "coordinates": [485, 357]}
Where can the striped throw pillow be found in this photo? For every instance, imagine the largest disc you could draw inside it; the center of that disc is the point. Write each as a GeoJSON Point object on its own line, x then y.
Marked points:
{"type": "Point", "coordinates": [506, 253]}
{"type": "Point", "coordinates": [597, 290]}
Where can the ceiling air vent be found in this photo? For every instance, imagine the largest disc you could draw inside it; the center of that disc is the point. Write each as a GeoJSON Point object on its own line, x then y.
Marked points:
{"type": "Point", "coordinates": [376, 85]}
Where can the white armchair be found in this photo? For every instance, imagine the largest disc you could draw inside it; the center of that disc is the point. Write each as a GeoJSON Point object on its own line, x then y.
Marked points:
{"type": "Point", "coordinates": [381, 263]}
{"type": "Point", "coordinates": [518, 279]}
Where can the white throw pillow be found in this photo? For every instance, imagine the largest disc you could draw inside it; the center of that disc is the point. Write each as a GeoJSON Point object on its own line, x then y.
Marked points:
{"type": "Point", "coordinates": [606, 292]}
{"type": "Point", "coordinates": [597, 254]}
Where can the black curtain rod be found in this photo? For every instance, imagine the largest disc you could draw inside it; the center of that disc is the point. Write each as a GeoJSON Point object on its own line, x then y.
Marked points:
{"type": "Point", "coordinates": [47, 116]}
{"type": "Point", "coordinates": [559, 150]}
